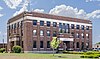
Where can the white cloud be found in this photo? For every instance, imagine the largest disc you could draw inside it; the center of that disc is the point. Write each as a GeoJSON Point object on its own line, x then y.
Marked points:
{"type": "Point", "coordinates": [39, 10]}
{"type": "Point", "coordinates": [0, 10]}
{"type": "Point", "coordinates": [24, 8]}
{"type": "Point", "coordinates": [94, 14]}
{"type": "Point", "coordinates": [69, 11]}
{"type": "Point", "coordinates": [0, 32]}
{"type": "Point", "coordinates": [12, 3]}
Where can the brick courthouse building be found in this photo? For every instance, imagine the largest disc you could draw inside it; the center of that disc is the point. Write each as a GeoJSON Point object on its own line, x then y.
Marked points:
{"type": "Point", "coordinates": [33, 32]}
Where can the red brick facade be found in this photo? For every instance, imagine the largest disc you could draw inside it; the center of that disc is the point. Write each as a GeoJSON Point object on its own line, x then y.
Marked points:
{"type": "Point", "coordinates": [22, 33]}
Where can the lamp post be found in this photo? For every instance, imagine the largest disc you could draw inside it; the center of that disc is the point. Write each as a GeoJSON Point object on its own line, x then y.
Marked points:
{"type": "Point", "coordinates": [3, 41]}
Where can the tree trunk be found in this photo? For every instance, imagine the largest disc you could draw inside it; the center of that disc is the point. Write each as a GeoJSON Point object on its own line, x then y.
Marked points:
{"type": "Point", "coordinates": [53, 52]}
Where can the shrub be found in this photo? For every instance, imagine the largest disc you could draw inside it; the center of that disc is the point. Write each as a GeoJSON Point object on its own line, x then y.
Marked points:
{"type": "Point", "coordinates": [89, 56]}
{"type": "Point", "coordinates": [17, 49]}
{"type": "Point", "coordinates": [2, 50]}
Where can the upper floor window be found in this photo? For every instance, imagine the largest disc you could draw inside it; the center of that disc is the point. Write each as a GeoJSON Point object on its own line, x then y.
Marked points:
{"type": "Point", "coordinates": [54, 24]}
{"type": "Point", "coordinates": [67, 26]}
{"type": "Point", "coordinates": [77, 27]}
{"type": "Point", "coordinates": [87, 27]}
{"type": "Point", "coordinates": [14, 25]}
{"type": "Point", "coordinates": [18, 24]}
{"type": "Point", "coordinates": [72, 34]}
{"type": "Point", "coordinates": [82, 35]}
{"type": "Point", "coordinates": [72, 26]}
{"type": "Point", "coordinates": [48, 23]}
{"type": "Point", "coordinates": [41, 32]}
{"type": "Point", "coordinates": [54, 34]}
{"type": "Point", "coordinates": [41, 23]}
{"type": "Point", "coordinates": [48, 32]}
{"type": "Point", "coordinates": [34, 22]}
{"type": "Point", "coordinates": [60, 25]}
{"type": "Point", "coordinates": [87, 35]}
{"type": "Point", "coordinates": [82, 27]}
{"type": "Point", "coordinates": [77, 35]}
{"type": "Point", "coordinates": [34, 32]}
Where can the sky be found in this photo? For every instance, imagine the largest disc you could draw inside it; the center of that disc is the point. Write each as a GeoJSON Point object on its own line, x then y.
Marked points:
{"type": "Point", "coordinates": [83, 9]}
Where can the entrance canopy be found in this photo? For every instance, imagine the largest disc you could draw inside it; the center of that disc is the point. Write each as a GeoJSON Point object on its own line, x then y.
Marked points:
{"type": "Point", "coordinates": [66, 39]}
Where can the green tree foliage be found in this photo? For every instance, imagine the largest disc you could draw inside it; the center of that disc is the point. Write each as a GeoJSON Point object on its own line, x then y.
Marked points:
{"type": "Point", "coordinates": [54, 43]}
{"type": "Point", "coordinates": [98, 43]}
{"type": "Point", "coordinates": [16, 49]}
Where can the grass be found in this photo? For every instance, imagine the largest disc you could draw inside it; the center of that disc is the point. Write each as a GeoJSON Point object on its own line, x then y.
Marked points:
{"type": "Point", "coordinates": [39, 56]}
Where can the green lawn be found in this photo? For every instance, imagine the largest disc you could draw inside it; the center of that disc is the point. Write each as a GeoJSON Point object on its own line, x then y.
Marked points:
{"type": "Point", "coordinates": [38, 56]}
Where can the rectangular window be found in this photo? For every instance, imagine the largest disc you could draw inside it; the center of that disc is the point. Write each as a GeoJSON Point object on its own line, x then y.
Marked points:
{"type": "Point", "coordinates": [34, 22]}
{"type": "Point", "coordinates": [34, 32]}
{"type": "Point", "coordinates": [41, 23]}
{"type": "Point", "coordinates": [82, 35]}
{"type": "Point", "coordinates": [18, 24]}
{"type": "Point", "coordinates": [41, 32]}
{"type": "Point", "coordinates": [87, 27]}
{"type": "Point", "coordinates": [60, 30]}
{"type": "Point", "coordinates": [60, 25]}
{"type": "Point", "coordinates": [54, 34]}
{"type": "Point", "coordinates": [48, 32]}
{"type": "Point", "coordinates": [77, 27]}
{"type": "Point", "coordinates": [54, 24]}
{"type": "Point", "coordinates": [48, 44]}
{"type": "Point", "coordinates": [48, 23]}
{"type": "Point", "coordinates": [82, 27]}
{"type": "Point", "coordinates": [77, 44]}
{"type": "Point", "coordinates": [41, 44]}
{"type": "Point", "coordinates": [72, 34]}
{"type": "Point", "coordinates": [14, 25]}
{"type": "Point", "coordinates": [34, 44]}
{"type": "Point", "coordinates": [72, 26]}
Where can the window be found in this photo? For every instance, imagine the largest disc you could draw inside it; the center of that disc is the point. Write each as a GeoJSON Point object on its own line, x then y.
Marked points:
{"type": "Point", "coordinates": [87, 35]}
{"type": "Point", "coordinates": [48, 44]}
{"type": "Point", "coordinates": [41, 23]}
{"type": "Point", "coordinates": [34, 44]}
{"type": "Point", "coordinates": [72, 26]}
{"type": "Point", "coordinates": [18, 24]}
{"type": "Point", "coordinates": [14, 25]}
{"type": "Point", "coordinates": [48, 32]}
{"type": "Point", "coordinates": [54, 24]}
{"type": "Point", "coordinates": [77, 44]}
{"type": "Point", "coordinates": [34, 22]}
{"type": "Point", "coordinates": [60, 25]}
{"type": "Point", "coordinates": [41, 32]}
{"type": "Point", "coordinates": [54, 34]}
{"type": "Point", "coordinates": [60, 30]}
{"type": "Point", "coordinates": [67, 28]}
{"type": "Point", "coordinates": [82, 27]}
{"type": "Point", "coordinates": [82, 35]}
{"type": "Point", "coordinates": [77, 26]}
{"type": "Point", "coordinates": [48, 23]}
{"type": "Point", "coordinates": [72, 34]}
{"type": "Point", "coordinates": [41, 44]}
{"type": "Point", "coordinates": [34, 32]}
{"type": "Point", "coordinates": [77, 35]}
{"type": "Point", "coordinates": [87, 27]}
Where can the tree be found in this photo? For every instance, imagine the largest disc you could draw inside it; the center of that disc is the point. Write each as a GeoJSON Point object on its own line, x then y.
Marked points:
{"type": "Point", "coordinates": [54, 44]}
{"type": "Point", "coordinates": [98, 43]}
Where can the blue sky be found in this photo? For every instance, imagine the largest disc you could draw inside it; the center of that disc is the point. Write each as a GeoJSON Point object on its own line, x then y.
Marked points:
{"type": "Point", "coordinates": [84, 9]}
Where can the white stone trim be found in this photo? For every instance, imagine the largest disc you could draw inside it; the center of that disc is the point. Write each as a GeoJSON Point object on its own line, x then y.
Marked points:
{"type": "Point", "coordinates": [54, 20]}
{"type": "Point", "coordinates": [51, 20]}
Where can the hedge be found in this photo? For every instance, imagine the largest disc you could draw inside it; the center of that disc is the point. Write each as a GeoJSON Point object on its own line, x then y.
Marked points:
{"type": "Point", "coordinates": [17, 49]}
